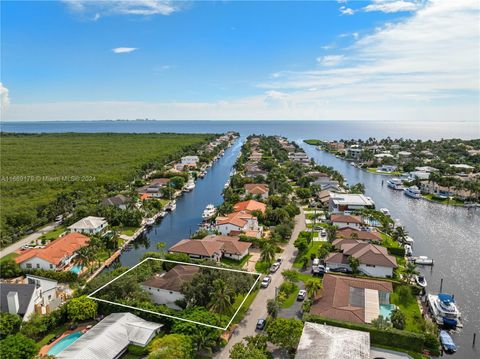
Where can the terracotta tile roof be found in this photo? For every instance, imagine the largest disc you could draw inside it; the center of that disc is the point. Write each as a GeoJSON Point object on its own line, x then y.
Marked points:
{"type": "Point", "coordinates": [55, 251]}
{"type": "Point", "coordinates": [174, 279]}
{"type": "Point", "coordinates": [256, 188]}
{"type": "Point", "coordinates": [197, 247]}
{"type": "Point", "coordinates": [335, 300]}
{"type": "Point", "coordinates": [239, 219]}
{"type": "Point", "coordinates": [342, 218]}
{"type": "Point", "coordinates": [250, 206]}
{"type": "Point", "coordinates": [366, 253]}
{"type": "Point", "coordinates": [362, 235]}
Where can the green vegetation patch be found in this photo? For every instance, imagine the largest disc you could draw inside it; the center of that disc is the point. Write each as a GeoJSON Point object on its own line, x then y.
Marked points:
{"type": "Point", "coordinates": [40, 172]}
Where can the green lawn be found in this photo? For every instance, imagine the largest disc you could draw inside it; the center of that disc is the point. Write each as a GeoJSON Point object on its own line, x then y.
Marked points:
{"type": "Point", "coordinates": [234, 263]}
{"type": "Point", "coordinates": [389, 241]}
{"type": "Point", "coordinates": [374, 170]}
{"type": "Point", "coordinates": [314, 246]}
{"type": "Point", "coordinates": [128, 231]}
{"type": "Point", "coordinates": [49, 236]}
{"type": "Point", "coordinates": [448, 201]}
{"type": "Point", "coordinates": [290, 299]}
{"type": "Point", "coordinates": [262, 267]}
{"type": "Point", "coordinates": [241, 313]}
{"type": "Point", "coordinates": [50, 335]}
{"type": "Point", "coordinates": [9, 256]}
{"type": "Point", "coordinates": [404, 298]}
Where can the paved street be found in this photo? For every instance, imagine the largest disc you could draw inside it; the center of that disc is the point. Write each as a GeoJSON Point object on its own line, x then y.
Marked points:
{"type": "Point", "coordinates": [258, 309]}
{"type": "Point", "coordinates": [35, 235]}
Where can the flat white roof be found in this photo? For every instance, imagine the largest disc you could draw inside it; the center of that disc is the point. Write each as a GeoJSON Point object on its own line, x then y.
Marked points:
{"type": "Point", "coordinates": [89, 222]}
{"type": "Point", "coordinates": [350, 199]}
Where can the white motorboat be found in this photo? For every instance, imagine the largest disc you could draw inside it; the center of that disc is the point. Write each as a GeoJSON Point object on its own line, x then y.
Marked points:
{"type": "Point", "coordinates": [190, 185]}
{"type": "Point", "coordinates": [412, 192]}
{"type": "Point", "coordinates": [209, 212]}
{"type": "Point", "coordinates": [150, 222]}
{"type": "Point", "coordinates": [226, 184]}
{"type": "Point", "coordinates": [408, 250]}
{"type": "Point", "coordinates": [423, 260]}
{"type": "Point", "coordinates": [396, 184]}
{"type": "Point", "coordinates": [171, 206]}
{"type": "Point", "coordinates": [352, 163]}
{"type": "Point", "coordinates": [162, 214]}
{"type": "Point", "coordinates": [409, 240]}
{"type": "Point", "coordinates": [318, 148]}
{"type": "Point", "coordinates": [421, 281]}
{"type": "Point", "coordinates": [385, 211]}
{"type": "Point", "coordinates": [444, 310]}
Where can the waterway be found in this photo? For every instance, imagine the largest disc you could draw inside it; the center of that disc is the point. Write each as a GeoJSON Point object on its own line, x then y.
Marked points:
{"type": "Point", "coordinates": [450, 235]}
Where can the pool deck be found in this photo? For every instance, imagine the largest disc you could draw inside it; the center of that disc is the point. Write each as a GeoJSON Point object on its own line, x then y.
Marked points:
{"type": "Point", "coordinates": [44, 350]}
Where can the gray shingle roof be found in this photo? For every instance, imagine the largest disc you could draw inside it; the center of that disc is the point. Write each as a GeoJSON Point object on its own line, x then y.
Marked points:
{"type": "Point", "coordinates": [25, 292]}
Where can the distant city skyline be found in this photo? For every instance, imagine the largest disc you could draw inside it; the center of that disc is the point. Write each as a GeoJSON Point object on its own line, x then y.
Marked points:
{"type": "Point", "coordinates": [392, 60]}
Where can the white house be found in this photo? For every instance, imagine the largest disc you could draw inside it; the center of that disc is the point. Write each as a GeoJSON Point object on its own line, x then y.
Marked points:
{"type": "Point", "coordinates": [165, 288]}
{"type": "Point", "coordinates": [55, 255]}
{"type": "Point", "coordinates": [237, 222]}
{"type": "Point", "coordinates": [89, 225]}
{"type": "Point", "coordinates": [19, 299]}
{"type": "Point", "coordinates": [257, 189]}
{"type": "Point", "coordinates": [340, 202]}
{"type": "Point", "coordinates": [354, 151]}
{"type": "Point", "coordinates": [48, 292]}
{"type": "Point", "coordinates": [213, 247]}
{"type": "Point", "coordinates": [190, 160]}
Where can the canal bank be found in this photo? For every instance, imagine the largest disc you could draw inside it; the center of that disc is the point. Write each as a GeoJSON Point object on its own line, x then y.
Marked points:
{"type": "Point", "coordinates": [447, 234]}
{"type": "Point", "coordinates": [184, 221]}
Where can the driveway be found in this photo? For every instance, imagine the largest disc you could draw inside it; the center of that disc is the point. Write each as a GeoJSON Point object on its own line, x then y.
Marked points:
{"type": "Point", "coordinates": [258, 308]}
{"type": "Point", "coordinates": [295, 310]}
{"type": "Point", "coordinates": [26, 240]}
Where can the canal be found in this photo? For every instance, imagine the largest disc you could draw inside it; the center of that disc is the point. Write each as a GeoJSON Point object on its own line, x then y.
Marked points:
{"type": "Point", "coordinates": [450, 235]}
{"type": "Point", "coordinates": [184, 221]}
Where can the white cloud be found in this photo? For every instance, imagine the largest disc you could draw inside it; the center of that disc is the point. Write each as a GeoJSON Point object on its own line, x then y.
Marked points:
{"type": "Point", "coordinates": [124, 50]}
{"type": "Point", "coordinates": [137, 7]}
{"type": "Point", "coordinates": [4, 97]}
{"type": "Point", "coordinates": [330, 60]}
{"type": "Point", "coordinates": [346, 10]}
{"type": "Point", "coordinates": [390, 6]}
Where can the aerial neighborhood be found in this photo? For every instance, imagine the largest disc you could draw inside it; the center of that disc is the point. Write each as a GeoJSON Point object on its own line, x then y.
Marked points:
{"type": "Point", "coordinates": [292, 251]}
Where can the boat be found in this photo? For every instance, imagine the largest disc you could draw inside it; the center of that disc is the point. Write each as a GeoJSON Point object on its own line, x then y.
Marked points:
{"type": "Point", "coordinates": [150, 222]}
{"type": "Point", "coordinates": [443, 309]}
{"type": "Point", "coordinates": [423, 260]}
{"type": "Point", "coordinates": [209, 212]}
{"type": "Point", "coordinates": [226, 184]}
{"type": "Point", "coordinates": [395, 183]}
{"type": "Point", "coordinates": [162, 214]}
{"type": "Point", "coordinates": [421, 281]}
{"type": "Point", "coordinates": [448, 345]}
{"type": "Point", "coordinates": [318, 148]}
{"type": "Point", "coordinates": [189, 186]}
{"type": "Point", "coordinates": [412, 192]}
{"type": "Point", "coordinates": [171, 206]}
{"type": "Point", "coordinates": [385, 211]}
{"type": "Point", "coordinates": [409, 240]}
{"type": "Point", "coordinates": [352, 163]}
{"type": "Point", "coordinates": [408, 250]}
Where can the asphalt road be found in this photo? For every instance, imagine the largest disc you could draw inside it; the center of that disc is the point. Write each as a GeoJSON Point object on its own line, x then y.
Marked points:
{"type": "Point", "coordinates": [258, 308]}
{"type": "Point", "coordinates": [31, 237]}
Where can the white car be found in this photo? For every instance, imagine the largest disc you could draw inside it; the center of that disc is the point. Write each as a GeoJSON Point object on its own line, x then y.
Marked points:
{"type": "Point", "coordinates": [266, 281]}
{"type": "Point", "coordinates": [302, 294]}
{"type": "Point", "coordinates": [274, 267]}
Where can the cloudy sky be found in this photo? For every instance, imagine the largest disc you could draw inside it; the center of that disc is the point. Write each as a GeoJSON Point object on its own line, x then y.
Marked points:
{"type": "Point", "coordinates": [396, 60]}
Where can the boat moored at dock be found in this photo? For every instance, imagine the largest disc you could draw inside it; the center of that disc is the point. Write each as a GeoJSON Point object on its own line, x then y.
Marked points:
{"type": "Point", "coordinates": [444, 310]}
{"type": "Point", "coordinates": [448, 345]}
{"type": "Point", "coordinates": [422, 260]}
{"type": "Point", "coordinates": [413, 192]}
{"type": "Point", "coordinates": [209, 212]}
{"type": "Point", "coordinates": [396, 184]}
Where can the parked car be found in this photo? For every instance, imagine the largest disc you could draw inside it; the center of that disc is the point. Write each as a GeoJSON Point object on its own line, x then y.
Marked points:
{"type": "Point", "coordinates": [317, 228]}
{"type": "Point", "coordinates": [316, 261]}
{"type": "Point", "coordinates": [274, 267]}
{"type": "Point", "coordinates": [323, 232]}
{"type": "Point", "coordinates": [302, 294]}
{"type": "Point", "coordinates": [261, 324]}
{"type": "Point", "coordinates": [341, 270]}
{"type": "Point", "coordinates": [266, 281]}
{"type": "Point", "coordinates": [59, 219]}
{"type": "Point", "coordinates": [279, 260]}
{"type": "Point", "coordinates": [318, 270]}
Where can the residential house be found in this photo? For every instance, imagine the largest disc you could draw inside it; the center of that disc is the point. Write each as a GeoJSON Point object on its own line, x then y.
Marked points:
{"type": "Point", "coordinates": [89, 225]}
{"type": "Point", "coordinates": [250, 206]}
{"type": "Point", "coordinates": [213, 247]}
{"type": "Point", "coordinates": [355, 300]}
{"type": "Point", "coordinates": [253, 170]}
{"type": "Point", "coordinates": [346, 221]}
{"type": "Point", "coordinates": [325, 183]}
{"type": "Point", "coordinates": [180, 167]}
{"type": "Point", "coordinates": [323, 197]}
{"type": "Point", "coordinates": [383, 156]}
{"type": "Point", "coordinates": [237, 221]}
{"type": "Point", "coordinates": [374, 259]}
{"type": "Point", "coordinates": [110, 338]}
{"type": "Point", "coordinates": [255, 156]}
{"type": "Point", "coordinates": [368, 236]}
{"type": "Point", "coordinates": [340, 202]}
{"type": "Point", "coordinates": [354, 152]}
{"type": "Point", "coordinates": [55, 255]}
{"type": "Point", "coordinates": [328, 342]}
{"type": "Point", "coordinates": [190, 160]}
{"type": "Point", "coordinates": [257, 189]}
{"type": "Point", "coordinates": [404, 154]}
{"type": "Point", "coordinates": [463, 167]}
{"type": "Point", "coordinates": [119, 201]}
{"type": "Point", "coordinates": [165, 288]}
{"type": "Point", "coordinates": [19, 299]}
{"type": "Point", "coordinates": [387, 168]}
{"type": "Point", "coordinates": [315, 174]}
{"type": "Point", "coordinates": [336, 146]}
{"type": "Point", "coordinates": [48, 299]}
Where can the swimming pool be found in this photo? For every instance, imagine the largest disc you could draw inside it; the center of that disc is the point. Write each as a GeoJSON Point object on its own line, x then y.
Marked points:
{"type": "Point", "coordinates": [76, 269]}
{"type": "Point", "coordinates": [386, 310]}
{"type": "Point", "coordinates": [63, 343]}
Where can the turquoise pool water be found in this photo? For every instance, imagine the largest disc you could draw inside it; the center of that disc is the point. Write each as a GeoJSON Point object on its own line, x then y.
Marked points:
{"type": "Point", "coordinates": [386, 310]}
{"type": "Point", "coordinates": [76, 269]}
{"type": "Point", "coordinates": [64, 343]}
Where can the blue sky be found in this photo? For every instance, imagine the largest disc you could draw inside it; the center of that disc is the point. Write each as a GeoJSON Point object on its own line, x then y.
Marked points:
{"type": "Point", "coordinates": [237, 59]}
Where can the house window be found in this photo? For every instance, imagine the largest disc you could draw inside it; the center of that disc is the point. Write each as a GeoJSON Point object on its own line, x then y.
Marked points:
{"type": "Point", "coordinates": [29, 265]}
{"type": "Point", "coordinates": [51, 266]}
{"type": "Point", "coordinates": [371, 265]}
{"type": "Point", "coordinates": [158, 290]}
{"type": "Point", "coordinates": [38, 265]}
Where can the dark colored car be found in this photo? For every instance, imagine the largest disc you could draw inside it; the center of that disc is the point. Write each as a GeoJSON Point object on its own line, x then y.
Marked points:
{"type": "Point", "coordinates": [341, 270]}
{"type": "Point", "coordinates": [261, 324]}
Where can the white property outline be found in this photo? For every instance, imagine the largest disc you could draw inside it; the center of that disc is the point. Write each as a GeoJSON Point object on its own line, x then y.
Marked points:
{"type": "Point", "coordinates": [171, 316]}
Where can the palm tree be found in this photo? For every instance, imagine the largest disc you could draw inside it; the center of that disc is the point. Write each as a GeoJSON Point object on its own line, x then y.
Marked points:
{"type": "Point", "coordinates": [354, 263]}
{"type": "Point", "coordinates": [410, 270]}
{"type": "Point", "coordinates": [312, 286]}
{"type": "Point", "coordinates": [222, 297]}
{"type": "Point", "coordinates": [400, 235]}
{"type": "Point", "coordinates": [331, 233]}
{"type": "Point", "coordinates": [273, 307]}
{"type": "Point", "coordinates": [268, 252]}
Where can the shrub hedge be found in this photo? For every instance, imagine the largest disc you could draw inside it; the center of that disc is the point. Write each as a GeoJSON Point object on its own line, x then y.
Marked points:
{"type": "Point", "coordinates": [396, 251]}
{"type": "Point", "coordinates": [62, 277]}
{"type": "Point", "coordinates": [392, 337]}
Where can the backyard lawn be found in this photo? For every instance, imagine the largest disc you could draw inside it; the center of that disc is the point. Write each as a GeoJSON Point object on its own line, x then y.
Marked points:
{"type": "Point", "coordinates": [49, 236]}
{"type": "Point", "coordinates": [313, 248]}
{"type": "Point", "coordinates": [234, 263]}
{"type": "Point", "coordinates": [403, 297]}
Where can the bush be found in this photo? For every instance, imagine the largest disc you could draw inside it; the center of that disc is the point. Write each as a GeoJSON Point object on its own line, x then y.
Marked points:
{"type": "Point", "coordinates": [17, 347]}
{"type": "Point", "coordinates": [61, 277]}
{"type": "Point", "coordinates": [396, 251]}
{"type": "Point", "coordinates": [137, 350]}
{"type": "Point", "coordinates": [401, 339]}
{"type": "Point", "coordinates": [10, 268]}
{"type": "Point", "coordinates": [9, 324]}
